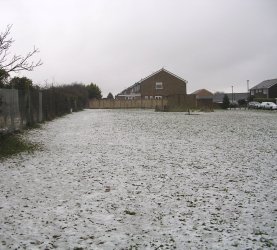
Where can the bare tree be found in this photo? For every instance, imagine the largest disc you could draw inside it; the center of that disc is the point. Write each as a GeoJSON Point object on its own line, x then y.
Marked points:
{"type": "Point", "coordinates": [17, 62]}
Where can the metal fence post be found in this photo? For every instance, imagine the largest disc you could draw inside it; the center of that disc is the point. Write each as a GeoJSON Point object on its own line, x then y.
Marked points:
{"type": "Point", "coordinates": [40, 106]}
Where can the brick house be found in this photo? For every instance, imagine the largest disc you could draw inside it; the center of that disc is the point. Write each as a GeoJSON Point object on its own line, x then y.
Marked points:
{"type": "Point", "coordinates": [158, 85]}
{"type": "Point", "coordinates": [266, 89]}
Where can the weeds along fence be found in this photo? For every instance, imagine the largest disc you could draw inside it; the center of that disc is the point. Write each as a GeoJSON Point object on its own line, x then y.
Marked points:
{"type": "Point", "coordinates": [22, 108]}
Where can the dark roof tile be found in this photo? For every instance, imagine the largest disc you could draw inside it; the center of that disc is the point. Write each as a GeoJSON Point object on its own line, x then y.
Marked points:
{"type": "Point", "coordinates": [265, 84]}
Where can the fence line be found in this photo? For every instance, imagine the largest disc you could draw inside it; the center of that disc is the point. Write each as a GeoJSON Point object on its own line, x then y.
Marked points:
{"type": "Point", "coordinates": [20, 108]}
{"type": "Point", "coordinates": [125, 104]}
{"type": "Point", "coordinates": [169, 103]}
{"type": "Point", "coordinates": [9, 110]}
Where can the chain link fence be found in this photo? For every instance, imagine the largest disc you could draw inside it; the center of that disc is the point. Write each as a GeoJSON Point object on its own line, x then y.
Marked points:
{"type": "Point", "coordinates": [22, 108]}
{"type": "Point", "coordinates": [9, 110]}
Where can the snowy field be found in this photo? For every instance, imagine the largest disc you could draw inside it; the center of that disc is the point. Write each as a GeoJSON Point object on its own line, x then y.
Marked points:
{"type": "Point", "coordinates": [119, 179]}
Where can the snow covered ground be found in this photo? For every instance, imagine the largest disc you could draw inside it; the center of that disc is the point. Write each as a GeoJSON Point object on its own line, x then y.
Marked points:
{"type": "Point", "coordinates": [119, 179]}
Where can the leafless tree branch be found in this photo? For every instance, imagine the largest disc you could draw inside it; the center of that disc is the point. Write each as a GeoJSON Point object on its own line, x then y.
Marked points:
{"type": "Point", "coordinates": [17, 62]}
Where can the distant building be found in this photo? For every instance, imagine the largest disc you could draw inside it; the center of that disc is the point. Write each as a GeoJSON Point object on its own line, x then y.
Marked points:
{"type": "Point", "coordinates": [233, 97]}
{"type": "Point", "coordinates": [204, 98]}
{"type": "Point", "coordinates": [265, 89]}
{"type": "Point", "coordinates": [158, 85]}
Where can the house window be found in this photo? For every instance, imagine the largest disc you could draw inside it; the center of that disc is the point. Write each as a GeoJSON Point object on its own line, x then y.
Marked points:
{"type": "Point", "coordinates": [158, 97]}
{"type": "Point", "coordinates": [252, 92]}
{"type": "Point", "coordinates": [151, 97]}
{"type": "Point", "coordinates": [146, 97]}
{"type": "Point", "coordinates": [265, 91]}
{"type": "Point", "coordinates": [260, 90]}
{"type": "Point", "coordinates": [159, 85]}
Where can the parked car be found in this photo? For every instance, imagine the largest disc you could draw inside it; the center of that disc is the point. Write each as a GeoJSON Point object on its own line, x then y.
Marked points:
{"type": "Point", "coordinates": [268, 105]}
{"type": "Point", "coordinates": [254, 105]}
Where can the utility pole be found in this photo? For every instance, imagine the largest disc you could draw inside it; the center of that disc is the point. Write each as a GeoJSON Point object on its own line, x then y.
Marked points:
{"type": "Point", "coordinates": [248, 94]}
{"type": "Point", "coordinates": [232, 94]}
{"type": "Point", "coordinates": [12, 107]}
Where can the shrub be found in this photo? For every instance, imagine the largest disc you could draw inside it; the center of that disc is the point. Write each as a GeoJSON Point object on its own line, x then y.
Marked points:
{"type": "Point", "coordinates": [225, 102]}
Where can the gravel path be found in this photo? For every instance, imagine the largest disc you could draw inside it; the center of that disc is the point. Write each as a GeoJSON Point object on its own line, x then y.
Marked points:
{"type": "Point", "coordinates": [119, 179]}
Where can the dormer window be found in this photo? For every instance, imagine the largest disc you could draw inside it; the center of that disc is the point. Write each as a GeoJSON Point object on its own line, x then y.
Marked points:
{"type": "Point", "coordinates": [159, 85]}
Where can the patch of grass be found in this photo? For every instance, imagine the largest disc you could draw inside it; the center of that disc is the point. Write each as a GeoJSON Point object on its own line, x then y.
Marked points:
{"type": "Point", "coordinates": [13, 144]}
{"type": "Point", "coordinates": [130, 212]}
{"type": "Point", "coordinates": [33, 126]}
{"type": "Point", "coordinates": [258, 232]}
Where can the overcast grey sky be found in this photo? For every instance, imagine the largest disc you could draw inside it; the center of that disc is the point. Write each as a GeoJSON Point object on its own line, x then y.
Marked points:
{"type": "Point", "coordinates": [213, 44]}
